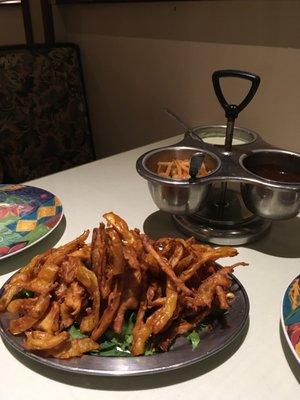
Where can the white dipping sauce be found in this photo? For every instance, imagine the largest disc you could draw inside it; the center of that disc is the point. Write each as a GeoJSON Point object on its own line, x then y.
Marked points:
{"type": "Point", "coordinates": [220, 140]}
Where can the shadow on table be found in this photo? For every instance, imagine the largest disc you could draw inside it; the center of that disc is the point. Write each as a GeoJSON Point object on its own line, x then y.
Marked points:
{"type": "Point", "coordinates": [281, 241]}
{"type": "Point", "coordinates": [290, 358]}
{"type": "Point", "coordinates": [161, 224]}
{"type": "Point", "coordinates": [17, 261]}
{"type": "Point", "coordinates": [136, 382]}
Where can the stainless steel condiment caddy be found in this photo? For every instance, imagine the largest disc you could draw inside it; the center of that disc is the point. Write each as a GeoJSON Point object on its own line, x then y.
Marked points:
{"type": "Point", "coordinates": [232, 204]}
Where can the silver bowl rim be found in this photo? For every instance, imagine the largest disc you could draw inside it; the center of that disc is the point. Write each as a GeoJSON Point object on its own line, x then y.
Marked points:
{"type": "Point", "coordinates": [254, 135]}
{"type": "Point", "coordinates": [149, 175]}
{"type": "Point", "coordinates": [271, 181]}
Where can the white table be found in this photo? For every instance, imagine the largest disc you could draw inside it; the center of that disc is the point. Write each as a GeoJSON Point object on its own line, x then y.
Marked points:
{"type": "Point", "coordinates": [262, 367]}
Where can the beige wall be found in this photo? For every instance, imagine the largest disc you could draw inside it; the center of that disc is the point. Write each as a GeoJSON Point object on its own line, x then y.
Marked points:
{"type": "Point", "coordinates": [140, 58]}
{"type": "Point", "coordinates": [11, 25]}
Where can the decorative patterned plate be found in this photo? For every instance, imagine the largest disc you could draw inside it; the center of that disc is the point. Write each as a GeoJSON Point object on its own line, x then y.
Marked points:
{"type": "Point", "coordinates": [225, 331]}
{"type": "Point", "coordinates": [27, 215]}
{"type": "Point", "coordinates": [290, 316]}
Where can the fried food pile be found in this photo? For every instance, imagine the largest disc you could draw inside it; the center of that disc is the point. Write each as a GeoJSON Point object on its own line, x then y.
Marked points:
{"type": "Point", "coordinates": [170, 283]}
{"type": "Point", "coordinates": [178, 169]}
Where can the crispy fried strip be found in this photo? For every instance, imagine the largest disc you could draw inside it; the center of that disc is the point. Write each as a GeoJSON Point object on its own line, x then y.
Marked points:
{"type": "Point", "coordinates": [37, 340]}
{"type": "Point", "coordinates": [58, 255]}
{"type": "Point", "coordinates": [159, 302]}
{"type": "Point", "coordinates": [33, 315]}
{"type": "Point", "coordinates": [163, 246]}
{"type": "Point", "coordinates": [184, 263]}
{"type": "Point", "coordinates": [206, 291]}
{"type": "Point", "coordinates": [28, 271]}
{"type": "Point", "coordinates": [84, 253]}
{"type": "Point", "coordinates": [101, 267]}
{"type": "Point", "coordinates": [53, 257]}
{"type": "Point", "coordinates": [221, 294]}
{"type": "Point", "coordinates": [89, 280]}
{"type": "Point", "coordinates": [212, 255]}
{"type": "Point", "coordinates": [74, 297]}
{"type": "Point", "coordinates": [150, 264]}
{"type": "Point", "coordinates": [21, 305]}
{"type": "Point", "coordinates": [129, 299]}
{"type": "Point", "coordinates": [99, 251]}
{"type": "Point", "coordinates": [66, 319]}
{"type": "Point", "coordinates": [155, 323]}
{"type": "Point", "coordinates": [68, 269]}
{"type": "Point", "coordinates": [44, 281]}
{"type": "Point", "coordinates": [141, 332]}
{"type": "Point", "coordinates": [15, 285]}
{"type": "Point", "coordinates": [74, 348]}
{"type": "Point", "coordinates": [178, 169]}
{"type": "Point", "coordinates": [110, 311]}
{"type": "Point", "coordinates": [50, 322]}
{"type": "Point", "coordinates": [180, 327]}
{"type": "Point", "coordinates": [165, 313]}
{"type": "Point", "coordinates": [131, 257]}
{"type": "Point", "coordinates": [130, 303]}
{"type": "Point", "coordinates": [129, 236]}
{"type": "Point", "coordinates": [165, 266]}
{"type": "Point", "coordinates": [176, 256]}
{"type": "Point", "coordinates": [121, 227]}
{"type": "Point", "coordinates": [116, 252]}
{"type": "Point", "coordinates": [9, 294]}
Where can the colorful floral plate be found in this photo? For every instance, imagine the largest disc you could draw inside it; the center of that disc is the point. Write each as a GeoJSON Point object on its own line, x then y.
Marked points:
{"type": "Point", "coordinates": [27, 215]}
{"type": "Point", "coordinates": [290, 316]}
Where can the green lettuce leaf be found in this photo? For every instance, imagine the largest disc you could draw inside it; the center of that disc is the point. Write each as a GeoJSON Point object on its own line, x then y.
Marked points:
{"type": "Point", "coordinates": [194, 338]}
{"type": "Point", "coordinates": [75, 332]}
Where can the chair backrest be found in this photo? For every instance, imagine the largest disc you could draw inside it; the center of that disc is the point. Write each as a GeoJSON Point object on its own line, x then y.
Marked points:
{"type": "Point", "coordinates": [44, 124]}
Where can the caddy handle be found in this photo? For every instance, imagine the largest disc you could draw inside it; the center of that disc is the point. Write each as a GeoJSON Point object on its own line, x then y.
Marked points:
{"type": "Point", "coordinates": [232, 110]}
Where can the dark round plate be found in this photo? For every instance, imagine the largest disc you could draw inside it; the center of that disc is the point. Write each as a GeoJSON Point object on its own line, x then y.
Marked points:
{"type": "Point", "coordinates": [226, 329]}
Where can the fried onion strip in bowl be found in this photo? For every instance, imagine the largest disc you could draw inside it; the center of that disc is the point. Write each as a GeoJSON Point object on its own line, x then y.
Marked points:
{"type": "Point", "coordinates": [164, 287]}
{"type": "Point", "coordinates": [178, 169]}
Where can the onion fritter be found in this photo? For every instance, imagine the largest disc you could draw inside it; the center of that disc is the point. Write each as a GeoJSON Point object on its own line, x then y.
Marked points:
{"type": "Point", "coordinates": [171, 284]}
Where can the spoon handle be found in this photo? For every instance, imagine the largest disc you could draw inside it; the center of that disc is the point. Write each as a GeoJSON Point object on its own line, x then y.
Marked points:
{"type": "Point", "coordinates": [179, 120]}
{"type": "Point", "coordinates": [195, 163]}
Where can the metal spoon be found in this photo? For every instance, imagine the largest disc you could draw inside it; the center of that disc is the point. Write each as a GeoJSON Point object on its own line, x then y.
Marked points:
{"type": "Point", "coordinates": [179, 120]}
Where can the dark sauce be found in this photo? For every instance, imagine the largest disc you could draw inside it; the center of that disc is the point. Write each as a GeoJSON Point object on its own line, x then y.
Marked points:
{"type": "Point", "coordinates": [276, 173]}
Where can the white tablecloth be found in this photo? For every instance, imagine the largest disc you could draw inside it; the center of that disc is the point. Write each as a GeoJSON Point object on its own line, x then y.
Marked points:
{"type": "Point", "coordinates": [261, 367]}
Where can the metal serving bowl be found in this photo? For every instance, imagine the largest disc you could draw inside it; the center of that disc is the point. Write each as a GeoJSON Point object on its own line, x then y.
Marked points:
{"type": "Point", "coordinates": [176, 196]}
{"type": "Point", "coordinates": [216, 134]}
{"type": "Point", "coordinates": [277, 195]}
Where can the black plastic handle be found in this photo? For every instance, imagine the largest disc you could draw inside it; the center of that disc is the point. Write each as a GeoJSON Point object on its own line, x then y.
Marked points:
{"type": "Point", "coordinates": [232, 110]}
{"type": "Point", "coordinates": [195, 164]}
